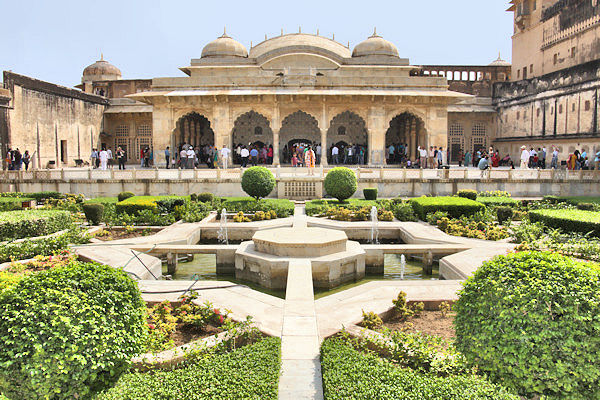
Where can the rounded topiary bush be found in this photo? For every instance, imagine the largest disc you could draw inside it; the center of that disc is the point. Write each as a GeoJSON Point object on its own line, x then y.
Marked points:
{"type": "Point", "coordinates": [258, 182]}
{"type": "Point", "coordinates": [124, 195]}
{"type": "Point", "coordinates": [467, 194]}
{"type": "Point", "coordinates": [370, 193]}
{"type": "Point", "coordinates": [531, 321]}
{"type": "Point", "coordinates": [504, 214]}
{"type": "Point", "coordinates": [93, 212]}
{"type": "Point", "coordinates": [340, 183]}
{"type": "Point", "coordinates": [68, 331]}
{"type": "Point", "coordinates": [205, 197]}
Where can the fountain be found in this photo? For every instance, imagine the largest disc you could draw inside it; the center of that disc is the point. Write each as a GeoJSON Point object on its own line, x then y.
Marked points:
{"type": "Point", "coordinates": [402, 266]}
{"type": "Point", "coordinates": [374, 228]}
{"type": "Point", "coordinates": [222, 236]}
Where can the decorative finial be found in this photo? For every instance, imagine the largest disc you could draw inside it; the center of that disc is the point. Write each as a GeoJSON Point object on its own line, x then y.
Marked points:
{"type": "Point", "coordinates": [333, 37]}
{"type": "Point", "coordinates": [348, 44]}
{"type": "Point", "coordinates": [281, 31]}
{"type": "Point", "coordinates": [299, 29]}
{"type": "Point", "coordinates": [101, 56]}
{"type": "Point", "coordinates": [224, 31]}
{"type": "Point", "coordinates": [251, 44]}
{"type": "Point", "coordinates": [499, 58]}
{"type": "Point", "coordinates": [317, 31]}
{"type": "Point", "coordinates": [375, 31]}
{"type": "Point", "coordinates": [265, 36]}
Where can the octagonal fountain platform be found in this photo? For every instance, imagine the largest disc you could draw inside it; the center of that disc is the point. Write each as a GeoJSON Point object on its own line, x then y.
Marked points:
{"type": "Point", "coordinates": [334, 258]}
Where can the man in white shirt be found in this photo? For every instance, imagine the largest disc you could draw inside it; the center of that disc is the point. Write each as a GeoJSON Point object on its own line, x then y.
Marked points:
{"type": "Point", "coordinates": [191, 154]}
{"type": "Point", "coordinates": [183, 158]}
{"type": "Point", "coordinates": [103, 159]}
{"type": "Point", "coordinates": [334, 154]}
{"type": "Point", "coordinates": [422, 157]}
{"type": "Point", "coordinates": [110, 157]}
{"type": "Point", "coordinates": [244, 153]}
{"type": "Point", "coordinates": [524, 157]}
{"type": "Point", "coordinates": [225, 156]}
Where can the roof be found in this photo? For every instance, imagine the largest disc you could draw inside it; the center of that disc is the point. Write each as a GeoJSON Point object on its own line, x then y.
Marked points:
{"type": "Point", "coordinates": [294, 41]}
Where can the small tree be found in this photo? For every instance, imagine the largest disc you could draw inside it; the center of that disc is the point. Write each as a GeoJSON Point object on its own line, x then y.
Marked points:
{"type": "Point", "coordinates": [258, 182]}
{"type": "Point", "coordinates": [340, 183]}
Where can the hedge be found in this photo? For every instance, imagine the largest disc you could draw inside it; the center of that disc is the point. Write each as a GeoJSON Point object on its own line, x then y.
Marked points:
{"type": "Point", "coordinates": [31, 223]}
{"type": "Point", "coordinates": [41, 196]}
{"type": "Point", "coordinates": [454, 206]}
{"type": "Point", "coordinates": [498, 201]}
{"type": "Point", "coordinates": [93, 212]}
{"type": "Point", "coordinates": [370, 193]}
{"type": "Point", "coordinates": [44, 246]}
{"type": "Point", "coordinates": [125, 195]}
{"type": "Point", "coordinates": [250, 372]}
{"type": "Point", "coordinates": [314, 207]}
{"type": "Point", "coordinates": [283, 207]}
{"type": "Point", "coordinates": [351, 374]}
{"type": "Point", "coordinates": [530, 321]}
{"type": "Point", "coordinates": [69, 331]}
{"type": "Point", "coordinates": [569, 220]}
{"type": "Point", "coordinates": [133, 205]}
{"type": "Point", "coordinates": [258, 182]}
{"type": "Point", "coordinates": [340, 183]}
{"type": "Point", "coordinates": [13, 203]}
{"type": "Point", "coordinates": [467, 194]}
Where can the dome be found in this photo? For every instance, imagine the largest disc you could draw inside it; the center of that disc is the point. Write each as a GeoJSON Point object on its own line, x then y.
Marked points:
{"type": "Point", "coordinates": [299, 42]}
{"type": "Point", "coordinates": [101, 68]}
{"type": "Point", "coordinates": [499, 62]}
{"type": "Point", "coordinates": [224, 46]}
{"type": "Point", "coordinates": [375, 45]}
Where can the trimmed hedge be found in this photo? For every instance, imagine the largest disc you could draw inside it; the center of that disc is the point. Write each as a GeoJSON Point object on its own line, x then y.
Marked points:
{"type": "Point", "coordinates": [93, 212]}
{"type": "Point", "coordinates": [69, 331]}
{"type": "Point", "coordinates": [41, 196]}
{"type": "Point", "coordinates": [30, 223]}
{"type": "Point", "coordinates": [569, 220]}
{"type": "Point", "coordinates": [351, 374]}
{"type": "Point", "coordinates": [454, 206]}
{"type": "Point", "coordinates": [370, 193]}
{"type": "Point", "coordinates": [41, 247]}
{"type": "Point", "coordinates": [13, 203]}
{"type": "Point", "coordinates": [125, 195]}
{"type": "Point", "coordinates": [134, 205]}
{"type": "Point", "coordinates": [499, 201]}
{"type": "Point", "coordinates": [282, 207]}
{"type": "Point", "coordinates": [250, 372]}
{"type": "Point", "coordinates": [205, 197]}
{"type": "Point", "coordinates": [258, 182]}
{"type": "Point", "coordinates": [504, 214]}
{"type": "Point", "coordinates": [340, 183]}
{"type": "Point", "coordinates": [530, 321]}
{"type": "Point", "coordinates": [467, 194]}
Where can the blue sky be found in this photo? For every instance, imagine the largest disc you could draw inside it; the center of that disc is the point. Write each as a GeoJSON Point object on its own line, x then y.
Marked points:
{"type": "Point", "coordinates": [55, 40]}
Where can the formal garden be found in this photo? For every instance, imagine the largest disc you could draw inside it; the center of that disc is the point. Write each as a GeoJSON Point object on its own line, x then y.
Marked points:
{"type": "Point", "coordinates": [525, 324]}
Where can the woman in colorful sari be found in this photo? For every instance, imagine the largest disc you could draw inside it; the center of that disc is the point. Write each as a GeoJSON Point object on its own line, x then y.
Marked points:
{"type": "Point", "coordinates": [309, 160]}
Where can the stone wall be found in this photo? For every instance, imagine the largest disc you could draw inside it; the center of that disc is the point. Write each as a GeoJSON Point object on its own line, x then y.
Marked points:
{"type": "Point", "coordinates": [53, 122]}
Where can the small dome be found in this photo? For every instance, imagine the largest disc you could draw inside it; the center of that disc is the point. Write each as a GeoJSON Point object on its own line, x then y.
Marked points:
{"type": "Point", "coordinates": [500, 62]}
{"type": "Point", "coordinates": [375, 45]}
{"type": "Point", "coordinates": [224, 46]}
{"type": "Point", "coordinates": [101, 68]}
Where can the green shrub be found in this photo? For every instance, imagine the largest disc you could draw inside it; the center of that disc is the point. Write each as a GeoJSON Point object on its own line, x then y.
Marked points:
{"type": "Point", "coordinates": [433, 218]}
{"type": "Point", "coordinates": [351, 374]}
{"type": "Point", "coordinates": [531, 321]}
{"type": "Point", "coordinates": [205, 197]}
{"type": "Point", "coordinates": [42, 196]}
{"type": "Point", "coordinates": [68, 331]}
{"type": "Point", "coordinates": [467, 194]}
{"type": "Point", "coordinates": [568, 220]}
{"type": "Point", "coordinates": [454, 206]}
{"type": "Point", "coordinates": [250, 372]}
{"type": "Point", "coordinates": [282, 207]}
{"type": "Point", "coordinates": [124, 196]}
{"type": "Point", "coordinates": [586, 206]}
{"type": "Point", "coordinates": [30, 223]}
{"type": "Point", "coordinates": [13, 203]}
{"type": "Point", "coordinates": [404, 212]}
{"type": "Point", "coordinates": [370, 320]}
{"type": "Point", "coordinates": [134, 205]}
{"type": "Point", "coordinates": [93, 212]}
{"type": "Point", "coordinates": [504, 214]}
{"type": "Point", "coordinates": [168, 205]}
{"type": "Point", "coordinates": [370, 193]}
{"type": "Point", "coordinates": [553, 199]}
{"type": "Point", "coordinates": [340, 183]}
{"type": "Point", "coordinates": [45, 247]}
{"type": "Point", "coordinates": [498, 201]}
{"type": "Point", "coordinates": [258, 182]}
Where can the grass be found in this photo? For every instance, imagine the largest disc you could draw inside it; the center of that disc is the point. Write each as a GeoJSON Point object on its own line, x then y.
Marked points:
{"type": "Point", "coordinates": [251, 372]}
{"type": "Point", "coordinates": [350, 374]}
{"type": "Point", "coordinates": [568, 220]}
{"type": "Point", "coordinates": [498, 201]}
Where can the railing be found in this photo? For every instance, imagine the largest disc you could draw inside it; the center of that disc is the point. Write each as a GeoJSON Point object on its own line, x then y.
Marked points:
{"type": "Point", "coordinates": [287, 173]}
{"type": "Point", "coordinates": [552, 37]}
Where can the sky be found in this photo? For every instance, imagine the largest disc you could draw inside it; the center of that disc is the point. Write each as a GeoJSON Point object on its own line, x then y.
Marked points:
{"type": "Point", "coordinates": [55, 40]}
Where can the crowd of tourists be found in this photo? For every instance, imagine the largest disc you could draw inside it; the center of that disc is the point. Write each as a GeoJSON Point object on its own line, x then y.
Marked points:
{"type": "Point", "coordinates": [14, 160]}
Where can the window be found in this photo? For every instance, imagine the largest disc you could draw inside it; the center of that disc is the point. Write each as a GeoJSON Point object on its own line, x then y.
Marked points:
{"type": "Point", "coordinates": [573, 107]}
{"type": "Point", "coordinates": [525, 114]}
{"type": "Point", "coordinates": [518, 74]}
{"type": "Point", "coordinates": [587, 105]}
{"type": "Point", "coordinates": [479, 129]}
{"type": "Point", "coordinates": [551, 110]}
{"type": "Point", "coordinates": [534, 6]}
{"type": "Point", "coordinates": [573, 52]}
{"type": "Point", "coordinates": [531, 68]}
{"type": "Point", "coordinates": [518, 115]}
{"type": "Point", "coordinates": [341, 130]}
{"type": "Point", "coordinates": [456, 129]}
{"type": "Point", "coordinates": [144, 130]}
{"type": "Point", "coordinates": [555, 58]}
{"type": "Point", "coordinates": [122, 131]}
{"type": "Point", "coordinates": [258, 131]}
{"type": "Point", "coordinates": [537, 113]}
{"type": "Point", "coordinates": [560, 109]}
{"type": "Point", "coordinates": [524, 72]}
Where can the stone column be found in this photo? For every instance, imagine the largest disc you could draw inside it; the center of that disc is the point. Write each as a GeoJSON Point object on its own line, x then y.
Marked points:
{"type": "Point", "coordinates": [376, 126]}
{"type": "Point", "coordinates": [413, 144]}
{"type": "Point", "coordinates": [275, 127]}
{"type": "Point", "coordinates": [324, 147]}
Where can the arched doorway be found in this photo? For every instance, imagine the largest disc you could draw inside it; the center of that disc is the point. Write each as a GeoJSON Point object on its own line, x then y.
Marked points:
{"type": "Point", "coordinates": [251, 129]}
{"type": "Point", "coordinates": [298, 127]}
{"type": "Point", "coordinates": [406, 133]}
{"type": "Point", "coordinates": [349, 129]}
{"type": "Point", "coordinates": [194, 129]}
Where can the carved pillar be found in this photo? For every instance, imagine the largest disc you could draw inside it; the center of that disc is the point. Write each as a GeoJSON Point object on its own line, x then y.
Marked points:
{"type": "Point", "coordinates": [276, 126]}
{"type": "Point", "coordinates": [324, 147]}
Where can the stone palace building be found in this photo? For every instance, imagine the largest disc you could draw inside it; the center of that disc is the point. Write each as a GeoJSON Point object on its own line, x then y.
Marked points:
{"type": "Point", "coordinates": [303, 87]}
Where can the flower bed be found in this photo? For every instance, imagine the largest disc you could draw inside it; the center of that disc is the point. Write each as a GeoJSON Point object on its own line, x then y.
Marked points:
{"type": "Point", "coordinates": [454, 206]}
{"type": "Point", "coordinates": [250, 372]}
{"type": "Point", "coordinates": [568, 220]}
{"type": "Point", "coordinates": [128, 232]}
{"type": "Point", "coordinates": [319, 207]}
{"type": "Point", "coordinates": [282, 207]}
{"type": "Point", "coordinates": [31, 223]}
{"type": "Point", "coordinates": [351, 374]}
{"type": "Point", "coordinates": [41, 246]}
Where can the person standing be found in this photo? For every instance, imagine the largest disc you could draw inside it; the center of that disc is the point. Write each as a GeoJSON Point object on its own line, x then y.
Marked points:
{"type": "Point", "coordinates": [467, 158]}
{"type": "Point", "coordinates": [309, 160]}
{"type": "Point", "coordinates": [254, 156]}
{"type": "Point", "coordinates": [121, 157]}
{"type": "Point", "coordinates": [18, 161]}
{"type": "Point", "coordinates": [422, 157]}
{"type": "Point", "coordinates": [554, 162]}
{"type": "Point", "coordinates": [334, 154]}
{"type": "Point", "coordinates": [524, 157]}
{"type": "Point", "coordinates": [110, 157]}
{"type": "Point", "coordinates": [26, 158]}
{"type": "Point", "coordinates": [430, 157]}
{"type": "Point", "coordinates": [167, 156]}
{"type": "Point", "coordinates": [244, 154]}
{"type": "Point", "coordinates": [483, 165]}
{"type": "Point", "coordinates": [270, 155]}
{"type": "Point", "coordinates": [225, 156]}
{"type": "Point", "coordinates": [103, 156]}
{"type": "Point", "coordinates": [440, 157]}
{"type": "Point", "coordinates": [190, 155]}
{"type": "Point", "coordinates": [318, 153]}
{"type": "Point", "coordinates": [94, 157]}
